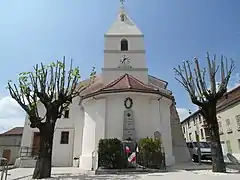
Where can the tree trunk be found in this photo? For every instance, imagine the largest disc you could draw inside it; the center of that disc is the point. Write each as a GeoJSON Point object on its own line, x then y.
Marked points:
{"type": "Point", "coordinates": [218, 164]}
{"type": "Point", "coordinates": [44, 161]}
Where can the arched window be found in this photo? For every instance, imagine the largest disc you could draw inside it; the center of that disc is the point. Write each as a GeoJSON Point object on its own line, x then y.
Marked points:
{"type": "Point", "coordinates": [124, 45]}
{"type": "Point", "coordinates": [122, 17]}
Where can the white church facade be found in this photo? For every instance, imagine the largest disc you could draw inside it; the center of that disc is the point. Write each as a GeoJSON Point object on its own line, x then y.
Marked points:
{"type": "Point", "coordinates": [124, 101]}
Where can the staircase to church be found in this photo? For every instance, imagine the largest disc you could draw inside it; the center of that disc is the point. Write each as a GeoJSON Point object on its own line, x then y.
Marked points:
{"type": "Point", "coordinates": [27, 158]}
{"type": "Point", "coordinates": [180, 150]}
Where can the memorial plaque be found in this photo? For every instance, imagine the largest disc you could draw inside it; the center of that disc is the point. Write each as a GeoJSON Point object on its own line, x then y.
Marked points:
{"type": "Point", "coordinates": [157, 135]}
{"type": "Point", "coordinates": [128, 125]}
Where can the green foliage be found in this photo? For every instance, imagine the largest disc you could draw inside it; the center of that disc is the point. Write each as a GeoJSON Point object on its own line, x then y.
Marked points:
{"type": "Point", "coordinates": [149, 145]}
{"type": "Point", "coordinates": [150, 153]}
{"type": "Point", "coordinates": [53, 85]}
{"type": "Point", "coordinates": [110, 154]}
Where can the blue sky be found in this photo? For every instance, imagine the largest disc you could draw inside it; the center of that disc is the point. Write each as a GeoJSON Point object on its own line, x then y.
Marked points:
{"type": "Point", "coordinates": [43, 31]}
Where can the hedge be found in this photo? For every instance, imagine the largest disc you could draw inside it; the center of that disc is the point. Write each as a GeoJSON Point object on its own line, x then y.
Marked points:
{"type": "Point", "coordinates": [150, 153]}
{"type": "Point", "coordinates": [110, 154]}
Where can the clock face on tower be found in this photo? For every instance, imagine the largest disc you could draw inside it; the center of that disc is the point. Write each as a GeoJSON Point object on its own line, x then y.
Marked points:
{"type": "Point", "coordinates": [125, 60]}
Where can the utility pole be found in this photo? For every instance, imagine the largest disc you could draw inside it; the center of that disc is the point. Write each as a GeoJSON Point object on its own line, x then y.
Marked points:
{"type": "Point", "coordinates": [198, 141]}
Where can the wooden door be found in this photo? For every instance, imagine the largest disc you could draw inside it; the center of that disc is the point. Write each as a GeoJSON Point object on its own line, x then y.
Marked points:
{"type": "Point", "coordinates": [36, 144]}
{"type": "Point", "coordinates": [7, 154]}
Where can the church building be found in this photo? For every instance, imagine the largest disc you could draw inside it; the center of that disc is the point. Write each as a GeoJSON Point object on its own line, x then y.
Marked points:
{"type": "Point", "coordinates": [123, 102]}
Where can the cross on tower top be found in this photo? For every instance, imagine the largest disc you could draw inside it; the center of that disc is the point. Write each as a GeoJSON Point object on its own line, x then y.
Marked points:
{"type": "Point", "coordinates": [122, 1]}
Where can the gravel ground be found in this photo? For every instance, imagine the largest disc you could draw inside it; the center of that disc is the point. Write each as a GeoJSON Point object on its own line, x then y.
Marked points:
{"type": "Point", "coordinates": [75, 173]}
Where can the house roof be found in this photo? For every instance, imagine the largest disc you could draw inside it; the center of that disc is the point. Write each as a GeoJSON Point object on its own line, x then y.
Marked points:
{"type": "Point", "coordinates": [14, 131]}
{"type": "Point", "coordinates": [229, 99]}
{"type": "Point", "coordinates": [125, 83]}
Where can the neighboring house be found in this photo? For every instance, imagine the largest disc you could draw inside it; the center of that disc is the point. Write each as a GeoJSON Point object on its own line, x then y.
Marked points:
{"type": "Point", "coordinates": [192, 125]}
{"type": "Point", "coordinates": [10, 143]}
{"type": "Point", "coordinates": [228, 115]}
{"type": "Point", "coordinates": [124, 101]}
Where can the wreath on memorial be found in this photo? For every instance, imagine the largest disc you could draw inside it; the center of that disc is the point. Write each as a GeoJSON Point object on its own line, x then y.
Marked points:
{"type": "Point", "coordinates": [128, 103]}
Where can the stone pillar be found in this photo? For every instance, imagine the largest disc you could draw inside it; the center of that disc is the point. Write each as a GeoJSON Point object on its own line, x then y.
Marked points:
{"type": "Point", "coordinates": [128, 125]}
{"type": "Point", "coordinates": [78, 132]}
{"type": "Point", "coordinates": [180, 150]}
{"type": "Point", "coordinates": [100, 128]}
{"type": "Point", "coordinates": [88, 142]}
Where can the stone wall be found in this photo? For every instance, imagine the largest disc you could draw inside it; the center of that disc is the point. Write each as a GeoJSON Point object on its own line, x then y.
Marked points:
{"type": "Point", "coordinates": [180, 150]}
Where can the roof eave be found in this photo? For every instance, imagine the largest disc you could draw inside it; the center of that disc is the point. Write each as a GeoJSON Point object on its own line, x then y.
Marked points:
{"type": "Point", "coordinates": [127, 90]}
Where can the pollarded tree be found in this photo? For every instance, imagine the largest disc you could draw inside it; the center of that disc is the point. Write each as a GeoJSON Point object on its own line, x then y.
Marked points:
{"type": "Point", "coordinates": [55, 88]}
{"type": "Point", "coordinates": [205, 96]}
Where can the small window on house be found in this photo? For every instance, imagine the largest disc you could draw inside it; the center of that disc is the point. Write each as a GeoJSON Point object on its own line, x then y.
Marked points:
{"type": "Point", "coordinates": [202, 134]}
{"type": "Point", "coordinates": [220, 128]}
{"type": "Point", "coordinates": [228, 124]}
{"type": "Point", "coordinates": [124, 45]}
{"type": "Point", "coordinates": [190, 136]}
{"type": "Point", "coordinates": [183, 130]}
{"type": "Point", "coordinates": [239, 144]}
{"type": "Point", "coordinates": [197, 135]}
{"type": "Point", "coordinates": [64, 137]}
{"type": "Point", "coordinates": [189, 124]}
{"type": "Point", "coordinates": [200, 118]}
{"type": "Point", "coordinates": [66, 113]}
{"type": "Point", "coordinates": [238, 121]}
{"type": "Point", "coordinates": [229, 147]}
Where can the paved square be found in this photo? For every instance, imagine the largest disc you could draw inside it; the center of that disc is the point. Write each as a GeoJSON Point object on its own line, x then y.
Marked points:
{"type": "Point", "coordinates": [76, 173]}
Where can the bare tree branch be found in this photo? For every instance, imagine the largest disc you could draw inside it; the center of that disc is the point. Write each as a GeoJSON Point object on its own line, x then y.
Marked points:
{"type": "Point", "coordinates": [195, 83]}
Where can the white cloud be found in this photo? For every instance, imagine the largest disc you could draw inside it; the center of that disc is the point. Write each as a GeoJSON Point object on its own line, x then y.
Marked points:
{"type": "Point", "coordinates": [183, 113]}
{"type": "Point", "coordinates": [11, 114]}
{"type": "Point", "coordinates": [234, 81]}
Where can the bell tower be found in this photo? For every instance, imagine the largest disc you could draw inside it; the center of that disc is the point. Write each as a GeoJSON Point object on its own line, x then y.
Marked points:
{"type": "Point", "coordinates": [124, 50]}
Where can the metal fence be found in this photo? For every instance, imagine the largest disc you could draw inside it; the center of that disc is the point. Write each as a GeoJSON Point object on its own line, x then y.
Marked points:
{"type": "Point", "coordinates": [154, 160]}
{"type": "Point", "coordinates": [147, 159]}
{"type": "Point", "coordinates": [3, 168]}
{"type": "Point", "coordinates": [28, 152]}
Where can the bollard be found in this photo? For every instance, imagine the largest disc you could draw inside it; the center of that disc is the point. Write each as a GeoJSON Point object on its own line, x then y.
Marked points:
{"type": "Point", "coordinates": [4, 164]}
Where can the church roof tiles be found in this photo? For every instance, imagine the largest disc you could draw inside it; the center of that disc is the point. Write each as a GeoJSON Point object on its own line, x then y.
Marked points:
{"type": "Point", "coordinates": [125, 83]}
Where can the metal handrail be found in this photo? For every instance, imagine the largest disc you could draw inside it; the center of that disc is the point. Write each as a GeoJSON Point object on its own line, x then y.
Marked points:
{"type": "Point", "coordinates": [4, 163]}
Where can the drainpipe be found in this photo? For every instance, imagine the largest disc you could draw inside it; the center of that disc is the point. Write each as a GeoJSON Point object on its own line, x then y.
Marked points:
{"type": "Point", "coordinates": [198, 141]}
{"type": "Point", "coordinates": [93, 160]}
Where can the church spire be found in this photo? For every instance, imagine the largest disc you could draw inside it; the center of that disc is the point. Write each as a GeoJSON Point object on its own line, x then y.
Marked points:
{"type": "Point", "coordinates": [123, 25]}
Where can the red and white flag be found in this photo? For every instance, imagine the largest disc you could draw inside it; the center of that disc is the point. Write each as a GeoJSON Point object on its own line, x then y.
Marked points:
{"type": "Point", "coordinates": [132, 157]}
{"type": "Point", "coordinates": [127, 149]}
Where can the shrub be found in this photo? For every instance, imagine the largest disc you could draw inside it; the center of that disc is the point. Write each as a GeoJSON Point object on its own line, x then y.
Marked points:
{"type": "Point", "coordinates": [110, 154]}
{"type": "Point", "coordinates": [150, 153]}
